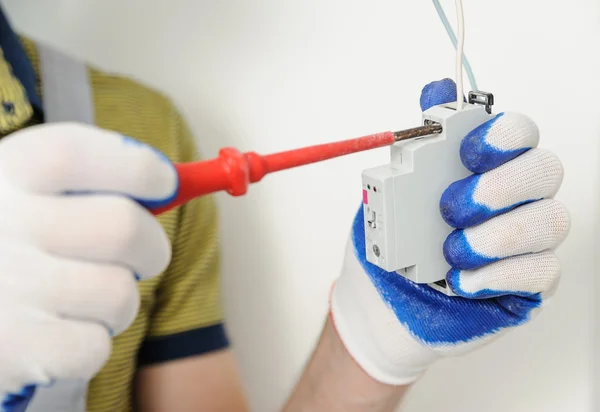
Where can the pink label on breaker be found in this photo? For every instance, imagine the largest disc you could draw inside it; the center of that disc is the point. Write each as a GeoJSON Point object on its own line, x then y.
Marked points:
{"type": "Point", "coordinates": [365, 197]}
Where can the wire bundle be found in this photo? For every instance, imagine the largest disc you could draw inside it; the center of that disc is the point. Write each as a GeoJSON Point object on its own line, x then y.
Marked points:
{"type": "Point", "coordinates": [461, 58]}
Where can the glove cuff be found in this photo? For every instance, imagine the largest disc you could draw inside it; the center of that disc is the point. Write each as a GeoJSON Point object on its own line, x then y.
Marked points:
{"type": "Point", "coordinates": [370, 331]}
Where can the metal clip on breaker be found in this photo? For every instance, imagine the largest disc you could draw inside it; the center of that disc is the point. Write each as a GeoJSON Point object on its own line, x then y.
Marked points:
{"type": "Point", "coordinates": [404, 229]}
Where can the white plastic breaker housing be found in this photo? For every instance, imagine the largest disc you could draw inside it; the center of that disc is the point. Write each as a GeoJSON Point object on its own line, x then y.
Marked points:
{"type": "Point", "coordinates": [404, 228]}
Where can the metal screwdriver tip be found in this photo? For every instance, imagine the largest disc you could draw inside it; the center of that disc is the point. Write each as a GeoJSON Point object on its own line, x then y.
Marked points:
{"type": "Point", "coordinates": [420, 131]}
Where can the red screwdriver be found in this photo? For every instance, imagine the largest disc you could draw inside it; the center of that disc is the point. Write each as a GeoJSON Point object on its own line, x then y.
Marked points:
{"type": "Point", "coordinates": [233, 171]}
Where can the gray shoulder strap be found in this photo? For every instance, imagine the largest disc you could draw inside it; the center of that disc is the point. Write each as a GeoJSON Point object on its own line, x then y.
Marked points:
{"type": "Point", "coordinates": [67, 97]}
{"type": "Point", "coordinates": [66, 89]}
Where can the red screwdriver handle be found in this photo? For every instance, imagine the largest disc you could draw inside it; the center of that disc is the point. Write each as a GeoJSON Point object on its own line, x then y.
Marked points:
{"type": "Point", "coordinates": [229, 171]}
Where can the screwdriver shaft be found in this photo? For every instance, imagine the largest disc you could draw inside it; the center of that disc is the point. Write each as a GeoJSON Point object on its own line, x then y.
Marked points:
{"type": "Point", "coordinates": [418, 132]}
{"type": "Point", "coordinates": [313, 154]}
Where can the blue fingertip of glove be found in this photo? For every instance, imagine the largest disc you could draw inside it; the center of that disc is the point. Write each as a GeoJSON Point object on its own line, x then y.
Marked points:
{"type": "Point", "coordinates": [134, 142]}
{"type": "Point", "coordinates": [460, 210]}
{"type": "Point", "coordinates": [453, 281]}
{"type": "Point", "coordinates": [457, 206]}
{"type": "Point", "coordinates": [460, 255]}
{"type": "Point", "coordinates": [18, 402]}
{"type": "Point", "coordinates": [146, 203]}
{"type": "Point", "coordinates": [519, 305]}
{"type": "Point", "coordinates": [438, 92]}
{"type": "Point", "coordinates": [154, 203]}
{"type": "Point", "coordinates": [479, 156]}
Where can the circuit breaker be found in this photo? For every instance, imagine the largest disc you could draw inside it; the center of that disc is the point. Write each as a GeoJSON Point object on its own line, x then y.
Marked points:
{"type": "Point", "coordinates": [404, 229]}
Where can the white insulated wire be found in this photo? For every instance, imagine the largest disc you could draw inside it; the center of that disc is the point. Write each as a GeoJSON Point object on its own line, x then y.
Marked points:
{"type": "Point", "coordinates": [448, 27]}
{"type": "Point", "coordinates": [459, 55]}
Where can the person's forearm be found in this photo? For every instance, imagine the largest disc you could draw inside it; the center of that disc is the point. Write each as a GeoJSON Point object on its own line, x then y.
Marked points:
{"type": "Point", "coordinates": [334, 382]}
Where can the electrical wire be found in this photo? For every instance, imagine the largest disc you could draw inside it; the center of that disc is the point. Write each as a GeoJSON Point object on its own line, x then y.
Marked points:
{"type": "Point", "coordinates": [454, 41]}
{"type": "Point", "coordinates": [459, 54]}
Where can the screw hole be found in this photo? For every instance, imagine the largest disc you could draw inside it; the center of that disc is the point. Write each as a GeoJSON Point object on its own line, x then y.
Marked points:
{"type": "Point", "coordinates": [376, 250]}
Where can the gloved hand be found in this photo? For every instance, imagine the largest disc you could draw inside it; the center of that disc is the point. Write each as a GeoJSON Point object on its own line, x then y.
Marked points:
{"type": "Point", "coordinates": [72, 244]}
{"type": "Point", "coordinates": [501, 255]}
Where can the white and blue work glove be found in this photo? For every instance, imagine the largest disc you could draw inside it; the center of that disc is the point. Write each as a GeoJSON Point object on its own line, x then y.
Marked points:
{"type": "Point", "coordinates": [73, 241]}
{"type": "Point", "coordinates": [501, 257]}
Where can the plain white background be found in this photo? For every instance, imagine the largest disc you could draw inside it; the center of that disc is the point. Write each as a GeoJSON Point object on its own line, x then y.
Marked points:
{"type": "Point", "coordinates": [269, 75]}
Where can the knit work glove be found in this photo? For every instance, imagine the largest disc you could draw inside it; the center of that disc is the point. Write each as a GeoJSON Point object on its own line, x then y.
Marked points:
{"type": "Point", "coordinates": [501, 257]}
{"type": "Point", "coordinates": [72, 244]}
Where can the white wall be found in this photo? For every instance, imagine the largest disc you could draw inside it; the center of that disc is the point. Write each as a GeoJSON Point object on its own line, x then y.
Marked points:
{"type": "Point", "coordinates": [267, 75]}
